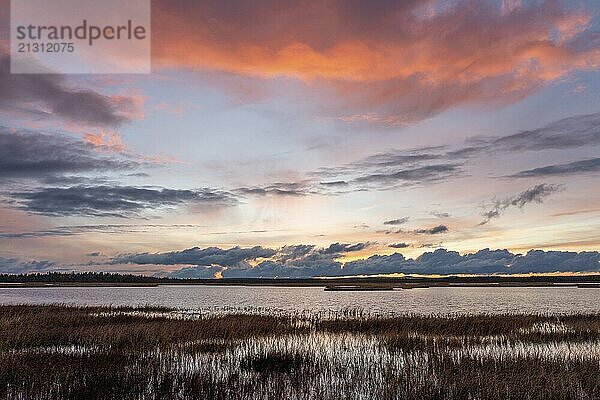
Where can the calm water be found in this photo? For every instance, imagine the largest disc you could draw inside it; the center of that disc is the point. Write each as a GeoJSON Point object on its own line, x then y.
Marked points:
{"type": "Point", "coordinates": [421, 301]}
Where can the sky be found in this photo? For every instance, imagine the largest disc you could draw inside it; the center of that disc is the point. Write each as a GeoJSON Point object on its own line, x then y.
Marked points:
{"type": "Point", "coordinates": [291, 138]}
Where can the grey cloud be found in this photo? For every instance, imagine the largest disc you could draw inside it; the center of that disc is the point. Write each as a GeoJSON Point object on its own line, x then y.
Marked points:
{"type": "Point", "coordinates": [297, 256]}
{"type": "Point", "coordinates": [294, 252]}
{"type": "Point", "coordinates": [440, 261]}
{"type": "Point", "coordinates": [410, 176]}
{"type": "Point", "coordinates": [335, 183]}
{"type": "Point", "coordinates": [337, 248]}
{"type": "Point", "coordinates": [399, 245]}
{"type": "Point", "coordinates": [419, 231]}
{"type": "Point", "coordinates": [31, 93]}
{"type": "Point", "coordinates": [571, 132]}
{"type": "Point", "coordinates": [277, 189]}
{"type": "Point", "coordinates": [38, 155]}
{"type": "Point", "coordinates": [485, 261]}
{"type": "Point", "coordinates": [563, 261]}
{"type": "Point", "coordinates": [576, 131]}
{"type": "Point", "coordinates": [390, 169]}
{"type": "Point", "coordinates": [233, 257]}
{"type": "Point", "coordinates": [440, 214]}
{"type": "Point", "coordinates": [584, 166]}
{"type": "Point", "coordinates": [431, 164]}
{"type": "Point", "coordinates": [112, 201]}
{"type": "Point", "coordinates": [398, 221]}
{"type": "Point", "coordinates": [404, 168]}
{"type": "Point", "coordinates": [269, 269]}
{"type": "Point", "coordinates": [432, 231]}
{"type": "Point", "coordinates": [297, 259]}
{"type": "Point", "coordinates": [71, 230]}
{"type": "Point", "coordinates": [60, 231]}
{"type": "Point", "coordinates": [535, 194]}
{"type": "Point", "coordinates": [395, 158]}
{"type": "Point", "coordinates": [16, 266]}
{"type": "Point", "coordinates": [429, 245]}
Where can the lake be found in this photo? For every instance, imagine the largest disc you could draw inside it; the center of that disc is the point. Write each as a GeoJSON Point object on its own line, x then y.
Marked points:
{"type": "Point", "coordinates": [437, 300]}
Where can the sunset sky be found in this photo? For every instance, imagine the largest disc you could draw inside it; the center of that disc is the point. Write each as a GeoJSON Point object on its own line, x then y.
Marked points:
{"type": "Point", "coordinates": [354, 128]}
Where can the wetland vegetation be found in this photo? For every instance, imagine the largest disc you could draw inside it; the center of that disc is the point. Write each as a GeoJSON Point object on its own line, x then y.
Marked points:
{"type": "Point", "coordinates": [63, 352]}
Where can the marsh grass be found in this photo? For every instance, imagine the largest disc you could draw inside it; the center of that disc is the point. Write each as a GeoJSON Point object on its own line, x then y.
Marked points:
{"type": "Point", "coordinates": [61, 352]}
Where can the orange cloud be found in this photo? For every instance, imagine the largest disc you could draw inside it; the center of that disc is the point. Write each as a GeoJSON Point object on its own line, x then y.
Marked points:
{"type": "Point", "coordinates": [401, 61]}
{"type": "Point", "coordinates": [105, 140]}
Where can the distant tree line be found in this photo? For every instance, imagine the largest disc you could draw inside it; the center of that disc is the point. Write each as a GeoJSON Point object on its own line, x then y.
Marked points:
{"type": "Point", "coordinates": [79, 277]}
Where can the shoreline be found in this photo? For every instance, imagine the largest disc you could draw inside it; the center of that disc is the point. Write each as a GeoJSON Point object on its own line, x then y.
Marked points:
{"type": "Point", "coordinates": [350, 284]}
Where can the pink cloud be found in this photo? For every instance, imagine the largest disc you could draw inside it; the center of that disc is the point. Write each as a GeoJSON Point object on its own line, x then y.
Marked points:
{"type": "Point", "coordinates": [403, 61]}
{"type": "Point", "coordinates": [105, 141]}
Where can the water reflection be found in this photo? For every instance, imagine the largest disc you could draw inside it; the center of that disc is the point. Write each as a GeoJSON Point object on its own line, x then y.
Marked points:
{"type": "Point", "coordinates": [421, 301]}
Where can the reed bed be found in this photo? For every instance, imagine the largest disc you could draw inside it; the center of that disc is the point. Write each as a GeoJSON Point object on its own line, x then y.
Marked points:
{"type": "Point", "coordinates": [62, 352]}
